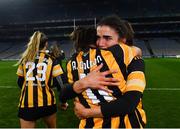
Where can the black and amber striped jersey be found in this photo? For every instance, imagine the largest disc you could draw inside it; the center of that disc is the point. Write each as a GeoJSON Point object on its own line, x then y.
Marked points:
{"type": "Point", "coordinates": [119, 57]}
{"type": "Point", "coordinates": [36, 90]}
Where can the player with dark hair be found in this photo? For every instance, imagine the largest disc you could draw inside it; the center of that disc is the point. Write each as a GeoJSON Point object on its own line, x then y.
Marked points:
{"type": "Point", "coordinates": [129, 39]}
{"type": "Point", "coordinates": [58, 54]}
{"type": "Point", "coordinates": [123, 107]}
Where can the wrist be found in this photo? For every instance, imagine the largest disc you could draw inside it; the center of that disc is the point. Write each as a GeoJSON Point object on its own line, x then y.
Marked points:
{"type": "Point", "coordinates": [79, 86]}
{"type": "Point", "coordinates": [88, 113]}
{"type": "Point", "coordinates": [95, 112]}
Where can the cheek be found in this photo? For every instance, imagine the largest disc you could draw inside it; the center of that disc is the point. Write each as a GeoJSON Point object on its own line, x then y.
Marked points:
{"type": "Point", "coordinates": [110, 43]}
{"type": "Point", "coordinates": [97, 43]}
{"type": "Point", "coordinates": [100, 42]}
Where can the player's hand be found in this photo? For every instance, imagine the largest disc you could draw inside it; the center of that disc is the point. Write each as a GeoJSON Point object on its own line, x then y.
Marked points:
{"type": "Point", "coordinates": [98, 80]}
{"type": "Point", "coordinates": [80, 111]}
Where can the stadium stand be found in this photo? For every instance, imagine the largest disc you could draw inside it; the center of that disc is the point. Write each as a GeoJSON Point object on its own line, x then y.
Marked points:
{"type": "Point", "coordinates": [13, 51]}
{"type": "Point", "coordinates": [156, 23]}
{"type": "Point", "coordinates": [165, 47]}
{"type": "Point", "coordinates": [141, 44]}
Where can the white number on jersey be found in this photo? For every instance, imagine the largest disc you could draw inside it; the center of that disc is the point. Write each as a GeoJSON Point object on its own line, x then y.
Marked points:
{"type": "Point", "coordinates": [92, 96]}
{"type": "Point", "coordinates": [31, 66]}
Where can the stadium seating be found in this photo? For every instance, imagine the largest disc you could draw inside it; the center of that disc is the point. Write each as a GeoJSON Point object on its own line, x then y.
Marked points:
{"type": "Point", "coordinates": [165, 47]}
{"type": "Point", "coordinates": [58, 20]}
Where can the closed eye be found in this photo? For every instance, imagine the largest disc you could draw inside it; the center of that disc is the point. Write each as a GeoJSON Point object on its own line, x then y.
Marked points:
{"type": "Point", "coordinates": [107, 37]}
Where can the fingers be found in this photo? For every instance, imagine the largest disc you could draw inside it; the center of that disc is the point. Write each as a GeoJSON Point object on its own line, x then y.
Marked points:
{"type": "Point", "coordinates": [109, 72]}
{"type": "Point", "coordinates": [77, 109]}
{"type": "Point", "coordinates": [110, 79]}
{"type": "Point", "coordinates": [103, 83]}
{"type": "Point", "coordinates": [105, 89]}
{"type": "Point", "coordinates": [98, 68]}
{"type": "Point", "coordinates": [107, 81]}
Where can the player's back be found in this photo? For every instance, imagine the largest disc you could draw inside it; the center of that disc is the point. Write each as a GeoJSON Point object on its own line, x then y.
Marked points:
{"type": "Point", "coordinates": [36, 90]}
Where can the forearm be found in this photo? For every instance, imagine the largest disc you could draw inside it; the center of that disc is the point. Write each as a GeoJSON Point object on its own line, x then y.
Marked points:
{"type": "Point", "coordinates": [94, 112]}
{"type": "Point", "coordinates": [63, 89]}
{"type": "Point", "coordinates": [67, 92]}
{"type": "Point", "coordinates": [20, 81]}
{"type": "Point", "coordinates": [79, 86]}
{"type": "Point", "coordinates": [122, 106]}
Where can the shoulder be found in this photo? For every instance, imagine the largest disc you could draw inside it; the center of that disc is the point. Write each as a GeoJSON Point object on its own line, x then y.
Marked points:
{"type": "Point", "coordinates": [72, 58]}
{"type": "Point", "coordinates": [137, 51]}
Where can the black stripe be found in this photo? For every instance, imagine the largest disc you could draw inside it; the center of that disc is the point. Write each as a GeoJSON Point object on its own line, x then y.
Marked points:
{"type": "Point", "coordinates": [44, 96]}
{"type": "Point", "coordinates": [140, 118]}
{"type": "Point", "coordinates": [44, 92]}
{"type": "Point", "coordinates": [122, 124]}
{"type": "Point", "coordinates": [52, 96]}
{"type": "Point", "coordinates": [116, 91]}
{"type": "Point", "coordinates": [35, 96]}
{"type": "Point", "coordinates": [26, 98]}
{"type": "Point", "coordinates": [106, 121]}
{"type": "Point", "coordinates": [50, 76]}
{"type": "Point", "coordinates": [24, 91]}
{"type": "Point", "coordinates": [133, 120]}
{"type": "Point", "coordinates": [118, 54]}
{"type": "Point", "coordinates": [35, 88]}
{"type": "Point", "coordinates": [49, 81]}
{"type": "Point", "coordinates": [43, 82]}
{"type": "Point", "coordinates": [89, 121]}
{"type": "Point", "coordinates": [86, 60]}
{"type": "Point", "coordinates": [136, 64]}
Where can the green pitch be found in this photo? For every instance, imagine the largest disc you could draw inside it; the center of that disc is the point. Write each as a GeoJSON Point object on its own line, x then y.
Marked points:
{"type": "Point", "coordinates": [161, 97]}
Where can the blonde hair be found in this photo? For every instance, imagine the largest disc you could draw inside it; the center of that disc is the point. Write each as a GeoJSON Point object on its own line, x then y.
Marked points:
{"type": "Point", "coordinates": [33, 47]}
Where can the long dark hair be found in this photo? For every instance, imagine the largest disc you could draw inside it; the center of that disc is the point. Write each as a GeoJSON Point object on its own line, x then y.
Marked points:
{"type": "Point", "coordinates": [130, 33]}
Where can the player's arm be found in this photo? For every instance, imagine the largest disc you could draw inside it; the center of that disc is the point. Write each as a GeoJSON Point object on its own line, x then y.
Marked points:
{"type": "Point", "coordinates": [20, 81]}
{"type": "Point", "coordinates": [121, 106]}
{"type": "Point", "coordinates": [20, 74]}
{"type": "Point", "coordinates": [66, 91]}
{"type": "Point", "coordinates": [57, 82]}
{"type": "Point", "coordinates": [96, 80]}
{"type": "Point", "coordinates": [127, 103]}
{"type": "Point", "coordinates": [135, 86]}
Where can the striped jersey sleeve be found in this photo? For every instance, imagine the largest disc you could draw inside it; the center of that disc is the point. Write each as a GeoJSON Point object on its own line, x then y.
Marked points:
{"type": "Point", "coordinates": [20, 71]}
{"type": "Point", "coordinates": [57, 70]}
{"type": "Point", "coordinates": [136, 77]}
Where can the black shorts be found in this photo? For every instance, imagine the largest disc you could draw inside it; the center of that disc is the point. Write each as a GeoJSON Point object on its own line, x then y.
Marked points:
{"type": "Point", "coordinates": [32, 114]}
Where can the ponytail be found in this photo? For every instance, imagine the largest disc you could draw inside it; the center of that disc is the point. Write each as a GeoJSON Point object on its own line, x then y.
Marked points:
{"type": "Point", "coordinates": [37, 42]}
